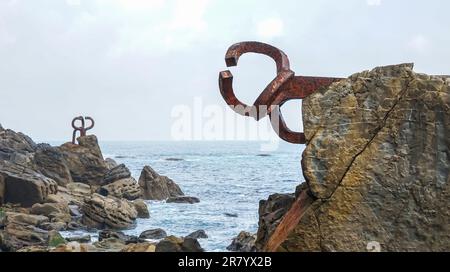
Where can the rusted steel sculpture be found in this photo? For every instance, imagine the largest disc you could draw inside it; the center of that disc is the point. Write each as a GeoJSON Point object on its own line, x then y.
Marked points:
{"type": "Point", "coordinates": [286, 86]}
{"type": "Point", "coordinates": [82, 129]}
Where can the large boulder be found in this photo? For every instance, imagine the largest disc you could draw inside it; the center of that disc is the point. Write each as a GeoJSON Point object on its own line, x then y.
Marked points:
{"type": "Point", "coordinates": [23, 185]}
{"type": "Point", "coordinates": [51, 163]}
{"type": "Point", "coordinates": [178, 244]}
{"type": "Point", "coordinates": [377, 158]}
{"type": "Point", "coordinates": [156, 187]}
{"type": "Point", "coordinates": [118, 182]}
{"type": "Point", "coordinates": [116, 173]}
{"type": "Point", "coordinates": [101, 212]}
{"type": "Point", "coordinates": [85, 160]}
{"type": "Point", "coordinates": [12, 142]}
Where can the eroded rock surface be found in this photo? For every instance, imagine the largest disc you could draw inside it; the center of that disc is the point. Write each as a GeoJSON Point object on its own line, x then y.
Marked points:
{"type": "Point", "coordinates": [378, 161]}
{"type": "Point", "coordinates": [157, 187]}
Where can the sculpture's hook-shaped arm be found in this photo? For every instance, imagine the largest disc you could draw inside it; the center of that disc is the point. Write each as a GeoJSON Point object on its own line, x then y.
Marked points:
{"type": "Point", "coordinates": [92, 123]}
{"type": "Point", "coordinates": [266, 98]}
{"type": "Point", "coordinates": [79, 118]}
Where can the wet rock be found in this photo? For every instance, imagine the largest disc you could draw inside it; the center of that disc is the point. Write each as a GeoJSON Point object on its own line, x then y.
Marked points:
{"type": "Point", "coordinates": [85, 160]}
{"type": "Point", "coordinates": [126, 239]}
{"type": "Point", "coordinates": [103, 212]}
{"type": "Point", "coordinates": [17, 235]}
{"type": "Point", "coordinates": [183, 199]}
{"type": "Point", "coordinates": [109, 245]}
{"type": "Point", "coordinates": [55, 239]}
{"type": "Point", "coordinates": [141, 208]}
{"type": "Point", "coordinates": [117, 173]}
{"type": "Point", "coordinates": [244, 242]}
{"type": "Point", "coordinates": [174, 159]}
{"type": "Point", "coordinates": [199, 234]}
{"type": "Point", "coordinates": [231, 214]}
{"type": "Point", "coordinates": [271, 211]}
{"type": "Point", "coordinates": [177, 244]}
{"type": "Point", "coordinates": [140, 247]}
{"type": "Point", "coordinates": [153, 234]}
{"type": "Point", "coordinates": [51, 163]}
{"type": "Point", "coordinates": [110, 163]}
{"type": "Point", "coordinates": [47, 209]}
{"type": "Point", "coordinates": [127, 188]}
{"type": "Point", "coordinates": [75, 247]}
{"type": "Point", "coordinates": [2, 190]}
{"type": "Point", "coordinates": [377, 159]}
{"type": "Point", "coordinates": [58, 226]}
{"type": "Point", "coordinates": [156, 187]}
{"type": "Point", "coordinates": [79, 239]}
{"type": "Point", "coordinates": [25, 186]}
{"type": "Point", "coordinates": [25, 219]}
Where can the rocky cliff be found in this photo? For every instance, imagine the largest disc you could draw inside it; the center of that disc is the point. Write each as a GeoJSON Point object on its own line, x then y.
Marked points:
{"type": "Point", "coordinates": [376, 165]}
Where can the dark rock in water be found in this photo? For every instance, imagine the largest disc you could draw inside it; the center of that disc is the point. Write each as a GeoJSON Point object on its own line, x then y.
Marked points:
{"type": "Point", "coordinates": [79, 239]}
{"type": "Point", "coordinates": [263, 155]}
{"type": "Point", "coordinates": [85, 160]}
{"type": "Point", "coordinates": [271, 212]}
{"type": "Point", "coordinates": [51, 163]}
{"type": "Point", "coordinates": [199, 234]}
{"type": "Point", "coordinates": [177, 244]}
{"type": "Point", "coordinates": [23, 185]}
{"type": "Point", "coordinates": [231, 214]}
{"type": "Point", "coordinates": [101, 212]}
{"type": "Point", "coordinates": [117, 173]}
{"type": "Point", "coordinates": [110, 163]}
{"type": "Point", "coordinates": [153, 234]}
{"type": "Point", "coordinates": [174, 159]}
{"type": "Point", "coordinates": [156, 187]}
{"type": "Point", "coordinates": [244, 242]}
{"type": "Point", "coordinates": [126, 239]}
{"type": "Point", "coordinates": [183, 199]}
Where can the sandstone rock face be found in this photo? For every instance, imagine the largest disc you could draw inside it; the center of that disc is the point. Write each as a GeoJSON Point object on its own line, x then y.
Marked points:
{"type": "Point", "coordinates": [178, 244]}
{"type": "Point", "coordinates": [12, 142]}
{"type": "Point", "coordinates": [51, 163]}
{"type": "Point", "coordinates": [141, 208]}
{"type": "Point", "coordinates": [156, 187]}
{"type": "Point", "coordinates": [25, 186]}
{"type": "Point", "coordinates": [125, 188]}
{"type": "Point", "coordinates": [378, 161]}
{"type": "Point", "coordinates": [85, 160]}
{"type": "Point", "coordinates": [103, 212]}
{"type": "Point", "coordinates": [116, 173]}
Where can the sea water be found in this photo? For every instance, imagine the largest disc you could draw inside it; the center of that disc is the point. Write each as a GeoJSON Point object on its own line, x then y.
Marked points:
{"type": "Point", "coordinates": [229, 178]}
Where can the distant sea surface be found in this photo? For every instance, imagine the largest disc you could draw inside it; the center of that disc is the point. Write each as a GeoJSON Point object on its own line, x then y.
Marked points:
{"type": "Point", "coordinates": [229, 178]}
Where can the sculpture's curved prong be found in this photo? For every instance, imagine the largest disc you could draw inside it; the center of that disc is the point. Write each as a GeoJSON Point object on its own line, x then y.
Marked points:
{"type": "Point", "coordinates": [92, 123]}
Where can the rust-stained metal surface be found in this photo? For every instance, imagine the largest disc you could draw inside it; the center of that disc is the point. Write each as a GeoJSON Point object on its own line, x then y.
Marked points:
{"type": "Point", "coordinates": [82, 128]}
{"type": "Point", "coordinates": [284, 87]}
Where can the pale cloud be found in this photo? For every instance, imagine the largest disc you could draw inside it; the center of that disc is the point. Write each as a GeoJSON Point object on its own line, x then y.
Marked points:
{"type": "Point", "coordinates": [178, 24]}
{"type": "Point", "coordinates": [373, 2]}
{"type": "Point", "coordinates": [270, 28]}
{"type": "Point", "coordinates": [420, 43]}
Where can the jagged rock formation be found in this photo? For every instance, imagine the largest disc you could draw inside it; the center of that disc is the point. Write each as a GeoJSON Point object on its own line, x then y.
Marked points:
{"type": "Point", "coordinates": [377, 162]}
{"type": "Point", "coordinates": [118, 182]}
{"type": "Point", "coordinates": [101, 212]}
{"type": "Point", "coordinates": [156, 187]}
{"type": "Point", "coordinates": [85, 160]}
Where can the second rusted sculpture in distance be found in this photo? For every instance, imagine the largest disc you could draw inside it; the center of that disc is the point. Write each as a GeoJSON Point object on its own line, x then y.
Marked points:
{"type": "Point", "coordinates": [82, 129]}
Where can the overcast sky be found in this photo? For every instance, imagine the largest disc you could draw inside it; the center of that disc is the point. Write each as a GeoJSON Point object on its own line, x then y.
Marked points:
{"type": "Point", "coordinates": [127, 63]}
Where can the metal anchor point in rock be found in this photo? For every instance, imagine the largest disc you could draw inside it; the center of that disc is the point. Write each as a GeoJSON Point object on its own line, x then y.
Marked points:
{"type": "Point", "coordinates": [286, 86]}
{"type": "Point", "coordinates": [82, 129]}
